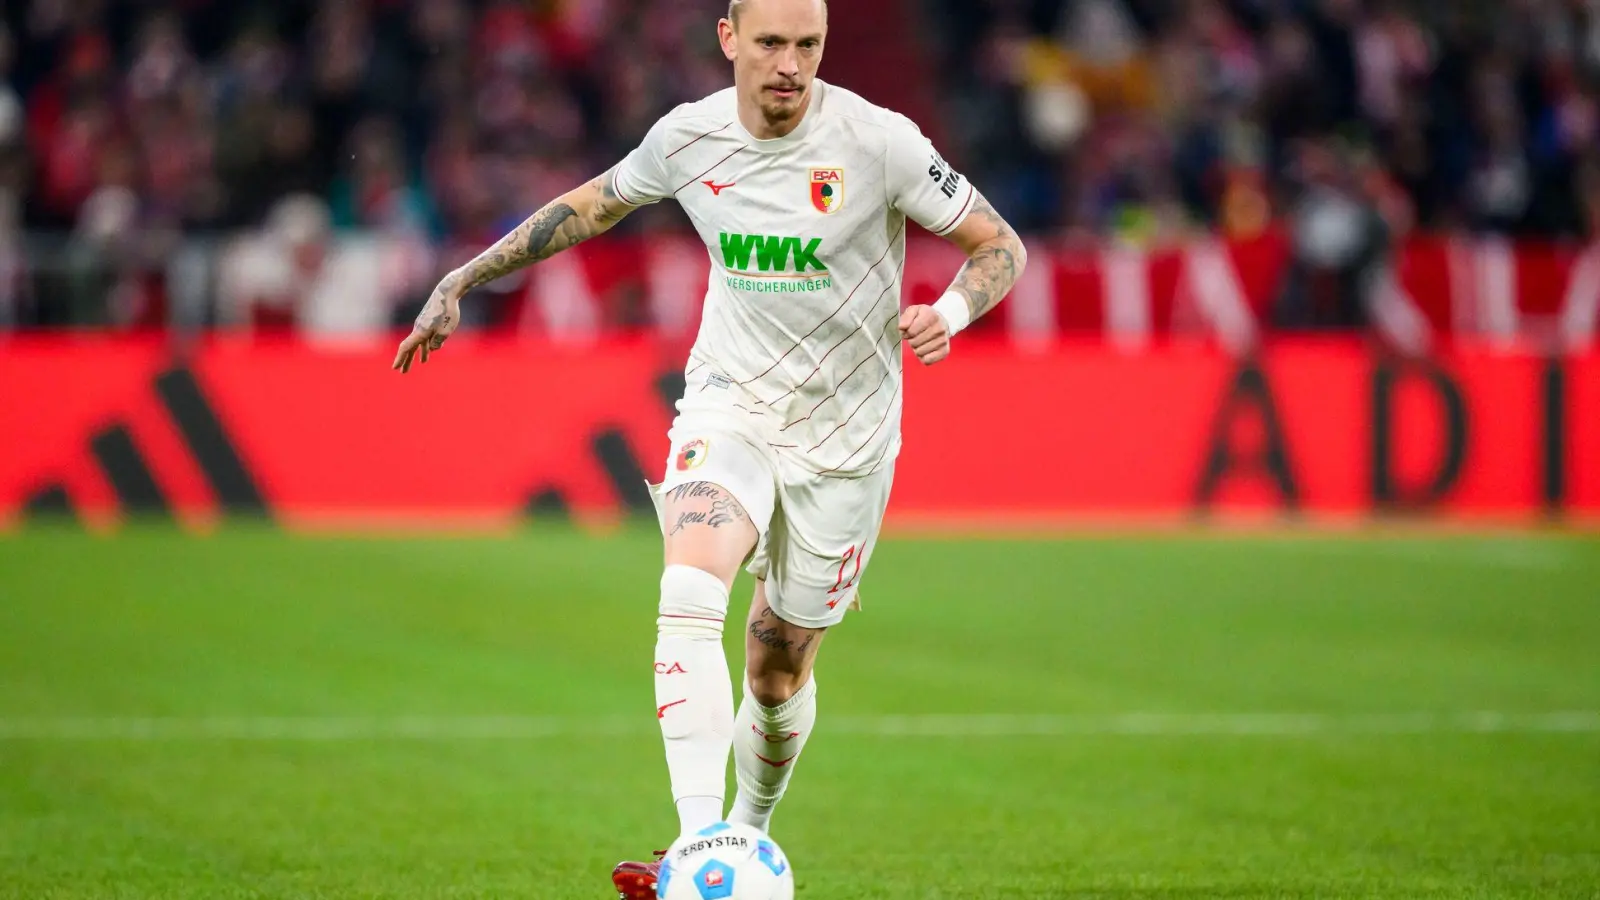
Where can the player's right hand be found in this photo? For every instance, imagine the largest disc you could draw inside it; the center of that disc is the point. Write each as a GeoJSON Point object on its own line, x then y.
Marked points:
{"type": "Point", "coordinates": [439, 318]}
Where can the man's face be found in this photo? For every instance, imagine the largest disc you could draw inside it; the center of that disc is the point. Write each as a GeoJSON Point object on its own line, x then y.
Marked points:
{"type": "Point", "coordinates": [775, 51]}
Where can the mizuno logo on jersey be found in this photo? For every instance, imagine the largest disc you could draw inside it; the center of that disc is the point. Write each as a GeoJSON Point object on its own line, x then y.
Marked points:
{"type": "Point", "coordinates": [770, 253]}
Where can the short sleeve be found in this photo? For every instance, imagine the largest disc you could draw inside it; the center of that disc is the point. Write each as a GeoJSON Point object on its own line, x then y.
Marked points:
{"type": "Point", "coordinates": [921, 184]}
{"type": "Point", "coordinates": [642, 177]}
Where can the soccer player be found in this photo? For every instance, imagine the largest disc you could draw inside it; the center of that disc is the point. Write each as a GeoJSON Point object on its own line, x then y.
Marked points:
{"type": "Point", "coordinates": [784, 444]}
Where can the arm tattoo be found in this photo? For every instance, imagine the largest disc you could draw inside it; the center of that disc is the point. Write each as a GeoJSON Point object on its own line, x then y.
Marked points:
{"type": "Point", "coordinates": [994, 267]}
{"type": "Point", "coordinates": [547, 232]}
{"type": "Point", "coordinates": [432, 318]}
{"type": "Point", "coordinates": [543, 227]}
{"type": "Point", "coordinates": [610, 210]}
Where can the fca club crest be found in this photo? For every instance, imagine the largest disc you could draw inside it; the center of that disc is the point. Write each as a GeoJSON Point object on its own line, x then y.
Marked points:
{"type": "Point", "coordinates": [827, 190]}
{"type": "Point", "coordinates": [692, 455]}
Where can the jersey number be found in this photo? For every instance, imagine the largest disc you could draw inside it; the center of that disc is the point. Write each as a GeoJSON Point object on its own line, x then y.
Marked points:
{"type": "Point", "coordinates": [840, 584]}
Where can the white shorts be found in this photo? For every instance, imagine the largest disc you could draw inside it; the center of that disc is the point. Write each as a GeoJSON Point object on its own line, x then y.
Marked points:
{"type": "Point", "coordinates": [817, 532]}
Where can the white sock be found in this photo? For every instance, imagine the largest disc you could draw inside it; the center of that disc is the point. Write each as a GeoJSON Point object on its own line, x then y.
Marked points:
{"type": "Point", "coordinates": [767, 744]}
{"type": "Point", "coordinates": [695, 813]}
{"type": "Point", "coordinates": [694, 694]}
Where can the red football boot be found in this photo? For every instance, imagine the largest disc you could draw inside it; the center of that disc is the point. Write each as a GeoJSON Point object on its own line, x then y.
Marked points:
{"type": "Point", "coordinates": [637, 880]}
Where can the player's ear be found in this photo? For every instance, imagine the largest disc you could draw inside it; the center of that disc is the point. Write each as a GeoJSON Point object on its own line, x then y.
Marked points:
{"type": "Point", "coordinates": [725, 36]}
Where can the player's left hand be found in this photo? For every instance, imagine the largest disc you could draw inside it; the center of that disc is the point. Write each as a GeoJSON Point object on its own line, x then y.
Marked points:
{"type": "Point", "coordinates": [927, 332]}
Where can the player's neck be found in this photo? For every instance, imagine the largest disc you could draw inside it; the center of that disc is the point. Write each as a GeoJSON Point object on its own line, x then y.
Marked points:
{"type": "Point", "coordinates": [755, 121]}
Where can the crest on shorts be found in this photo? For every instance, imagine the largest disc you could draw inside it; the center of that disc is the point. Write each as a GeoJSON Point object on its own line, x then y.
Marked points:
{"type": "Point", "coordinates": [691, 455]}
{"type": "Point", "coordinates": [827, 190]}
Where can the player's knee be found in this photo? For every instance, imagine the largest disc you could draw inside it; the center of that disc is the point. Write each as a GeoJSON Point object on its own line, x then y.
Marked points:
{"type": "Point", "coordinates": [694, 603]}
{"type": "Point", "coordinates": [775, 688]}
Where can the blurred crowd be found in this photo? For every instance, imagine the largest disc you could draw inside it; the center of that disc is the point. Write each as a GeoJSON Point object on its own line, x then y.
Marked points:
{"type": "Point", "coordinates": [437, 115]}
{"type": "Point", "coordinates": [430, 126]}
{"type": "Point", "coordinates": [1153, 118]}
{"type": "Point", "coordinates": [322, 162]}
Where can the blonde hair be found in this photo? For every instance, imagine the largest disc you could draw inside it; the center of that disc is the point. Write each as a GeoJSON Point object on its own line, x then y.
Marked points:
{"type": "Point", "coordinates": [735, 5]}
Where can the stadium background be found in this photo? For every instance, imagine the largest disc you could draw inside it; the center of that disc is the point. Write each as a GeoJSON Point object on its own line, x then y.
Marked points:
{"type": "Point", "coordinates": [1326, 263]}
{"type": "Point", "coordinates": [1328, 257]}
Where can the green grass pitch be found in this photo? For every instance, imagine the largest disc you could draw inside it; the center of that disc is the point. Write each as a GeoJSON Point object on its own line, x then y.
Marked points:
{"type": "Point", "coordinates": [254, 714]}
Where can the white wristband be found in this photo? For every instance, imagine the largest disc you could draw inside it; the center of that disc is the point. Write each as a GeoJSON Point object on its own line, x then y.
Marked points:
{"type": "Point", "coordinates": [957, 314]}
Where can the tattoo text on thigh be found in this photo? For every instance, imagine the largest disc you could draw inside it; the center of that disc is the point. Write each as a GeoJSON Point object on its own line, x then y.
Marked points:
{"type": "Point", "coordinates": [688, 518]}
{"type": "Point", "coordinates": [724, 509]}
{"type": "Point", "coordinates": [695, 489]}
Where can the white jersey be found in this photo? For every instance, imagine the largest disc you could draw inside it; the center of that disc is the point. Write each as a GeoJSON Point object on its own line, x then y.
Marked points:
{"type": "Point", "coordinates": [807, 237]}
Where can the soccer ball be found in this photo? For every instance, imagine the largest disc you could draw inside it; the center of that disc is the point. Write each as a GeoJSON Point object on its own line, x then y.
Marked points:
{"type": "Point", "coordinates": [725, 862]}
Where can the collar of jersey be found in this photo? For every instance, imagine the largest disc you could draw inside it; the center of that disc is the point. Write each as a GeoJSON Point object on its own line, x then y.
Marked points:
{"type": "Point", "coordinates": [819, 88]}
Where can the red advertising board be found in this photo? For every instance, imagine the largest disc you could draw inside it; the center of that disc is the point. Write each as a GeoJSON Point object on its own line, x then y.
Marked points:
{"type": "Point", "coordinates": [493, 429]}
{"type": "Point", "coordinates": [1440, 288]}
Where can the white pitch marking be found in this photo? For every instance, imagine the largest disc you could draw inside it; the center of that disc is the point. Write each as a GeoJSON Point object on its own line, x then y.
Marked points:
{"type": "Point", "coordinates": [479, 728]}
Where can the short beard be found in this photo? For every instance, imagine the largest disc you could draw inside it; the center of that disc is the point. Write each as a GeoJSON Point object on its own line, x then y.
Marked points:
{"type": "Point", "coordinates": [777, 114]}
